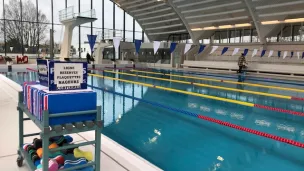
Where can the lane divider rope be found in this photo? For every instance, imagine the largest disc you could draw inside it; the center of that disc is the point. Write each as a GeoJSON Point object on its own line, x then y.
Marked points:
{"type": "Point", "coordinates": [204, 96]}
{"type": "Point", "coordinates": [253, 78]}
{"type": "Point", "coordinates": [227, 124]}
{"type": "Point", "coordinates": [211, 86]}
{"type": "Point", "coordinates": [224, 81]}
{"type": "Point", "coordinates": [209, 119]}
{"type": "Point", "coordinates": [30, 69]}
{"type": "Point", "coordinates": [207, 96]}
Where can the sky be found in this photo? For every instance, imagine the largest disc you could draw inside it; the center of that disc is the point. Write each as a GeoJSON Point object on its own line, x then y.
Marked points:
{"type": "Point", "coordinates": [85, 5]}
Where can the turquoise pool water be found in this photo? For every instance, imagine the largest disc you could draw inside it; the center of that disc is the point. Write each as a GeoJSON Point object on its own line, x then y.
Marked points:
{"type": "Point", "coordinates": [174, 141]}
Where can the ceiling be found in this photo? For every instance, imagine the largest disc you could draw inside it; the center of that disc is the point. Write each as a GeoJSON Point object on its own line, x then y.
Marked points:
{"type": "Point", "coordinates": [160, 18]}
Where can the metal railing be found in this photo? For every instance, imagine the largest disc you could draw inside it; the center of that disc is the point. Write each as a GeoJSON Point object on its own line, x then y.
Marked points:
{"type": "Point", "coordinates": [87, 14]}
{"type": "Point", "coordinates": [68, 13]}
{"type": "Point", "coordinates": [108, 34]}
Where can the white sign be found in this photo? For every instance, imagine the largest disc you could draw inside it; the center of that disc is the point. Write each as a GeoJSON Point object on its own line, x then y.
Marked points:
{"type": "Point", "coordinates": [11, 48]}
{"type": "Point", "coordinates": [26, 49]}
{"type": "Point", "coordinates": [68, 75]}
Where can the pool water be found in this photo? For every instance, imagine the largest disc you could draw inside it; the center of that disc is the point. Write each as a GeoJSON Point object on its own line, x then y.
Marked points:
{"type": "Point", "coordinates": [174, 141]}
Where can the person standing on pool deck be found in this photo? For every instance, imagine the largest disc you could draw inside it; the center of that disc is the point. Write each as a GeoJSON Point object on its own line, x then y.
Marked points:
{"type": "Point", "coordinates": [241, 63]}
{"type": "Point", "coordinates": [88, 58]}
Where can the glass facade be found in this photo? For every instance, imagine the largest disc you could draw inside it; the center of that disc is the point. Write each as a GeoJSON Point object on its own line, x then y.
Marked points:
{"type": "Point", "coordinates": [285, 33]}
{"type": "Point", "coordinates": [30, 33]}
{"type": "Point", "coordinates": [25, 28]}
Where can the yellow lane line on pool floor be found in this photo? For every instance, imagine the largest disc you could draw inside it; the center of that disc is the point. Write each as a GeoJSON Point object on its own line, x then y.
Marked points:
{"type": "Point", "coordinates": [178, 91]}
{"type": "Point", "coordinates": [204, 85]}
{"type": "Point", "coordinates": [224, 81]}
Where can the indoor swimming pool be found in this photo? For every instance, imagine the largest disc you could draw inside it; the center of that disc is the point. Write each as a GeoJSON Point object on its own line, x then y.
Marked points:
{"type": "Point", "coordinates": [156, 116]}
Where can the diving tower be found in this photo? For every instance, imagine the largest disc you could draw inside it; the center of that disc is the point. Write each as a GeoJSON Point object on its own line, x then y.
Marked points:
{"type": "Point", "coordinates": [70, 20]}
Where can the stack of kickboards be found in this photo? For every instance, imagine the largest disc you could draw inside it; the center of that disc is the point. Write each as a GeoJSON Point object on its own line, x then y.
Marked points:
{"type": "Point", "coordinates": [38, 98]}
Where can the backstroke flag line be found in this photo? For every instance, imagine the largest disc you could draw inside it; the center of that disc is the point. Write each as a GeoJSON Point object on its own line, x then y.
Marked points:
{"type": "Point", "coordinates": [291, 54]}
{"type": "Point", "coordinates": [92, 40]}
{"type": "Point", "coordinates": [201, 49]}
{"type": "Point", "coordinates": [255, 51]}
{"type": "Point", "coordinates": [116, 42]}
{"type": "Point", "coordinates": [156, 45]}
{"type": "Point", "coordinates": [285, 54]}
{"type": "Point", "coordinates": [137, 45]}
{"type": "Point", "coordinates": [187, 48]}
{"type": "Point", "coordinates": [172, 47]}
{"type": "Point", "coordinates": [245, 52]}
{"type": "Point", "coordinates": [263, 53]}
{"type": "Point", "coordinates": [224, 50]}
{"type": "Point", "coordinates": [236, 50]}
{"type": "Point", "coordinates": [270, 53]}
{"type": "Point", "coordinates": [213, 49]}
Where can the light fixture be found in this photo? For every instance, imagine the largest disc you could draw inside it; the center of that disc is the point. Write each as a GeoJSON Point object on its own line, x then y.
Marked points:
{"type": "Point", "coordinates": [222, 27]}
{"type": "Point", "coordinates": [197, 29]}
{"type": "Point", "coordinates": [295, 20]}
{"type": "Point", "coordinates": [210, 28]}
{"type": "Point", "coordinates": [270, 22]}
{"type": "Point", "coordinates": [225, 26]}
{"type": "Point", "coordinates": [243, 25]}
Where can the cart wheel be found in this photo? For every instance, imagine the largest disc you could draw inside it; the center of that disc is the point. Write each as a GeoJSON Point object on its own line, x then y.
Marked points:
{"type": "Point", "coordinates": [19, 161]}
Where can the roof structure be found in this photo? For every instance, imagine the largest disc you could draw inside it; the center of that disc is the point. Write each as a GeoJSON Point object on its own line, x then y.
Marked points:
{"type": "Point", "coordinates": [201, 18]}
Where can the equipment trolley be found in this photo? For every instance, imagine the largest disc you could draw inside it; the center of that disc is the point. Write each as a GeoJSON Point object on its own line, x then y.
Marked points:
{"type": "Point", "coordinates": [47, 131]}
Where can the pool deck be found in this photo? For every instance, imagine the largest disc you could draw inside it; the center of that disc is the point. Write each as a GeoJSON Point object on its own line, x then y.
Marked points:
{"type": "Point", "coordinates": [114, 157]}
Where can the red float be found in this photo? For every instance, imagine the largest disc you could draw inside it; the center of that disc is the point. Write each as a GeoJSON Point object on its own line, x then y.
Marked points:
{"type": "Point", "coordinates": [297, 98]}
{"type": "Point", "coordinates": [279, 110]}
{"type": "Point", "coordinates": [252, 131]}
